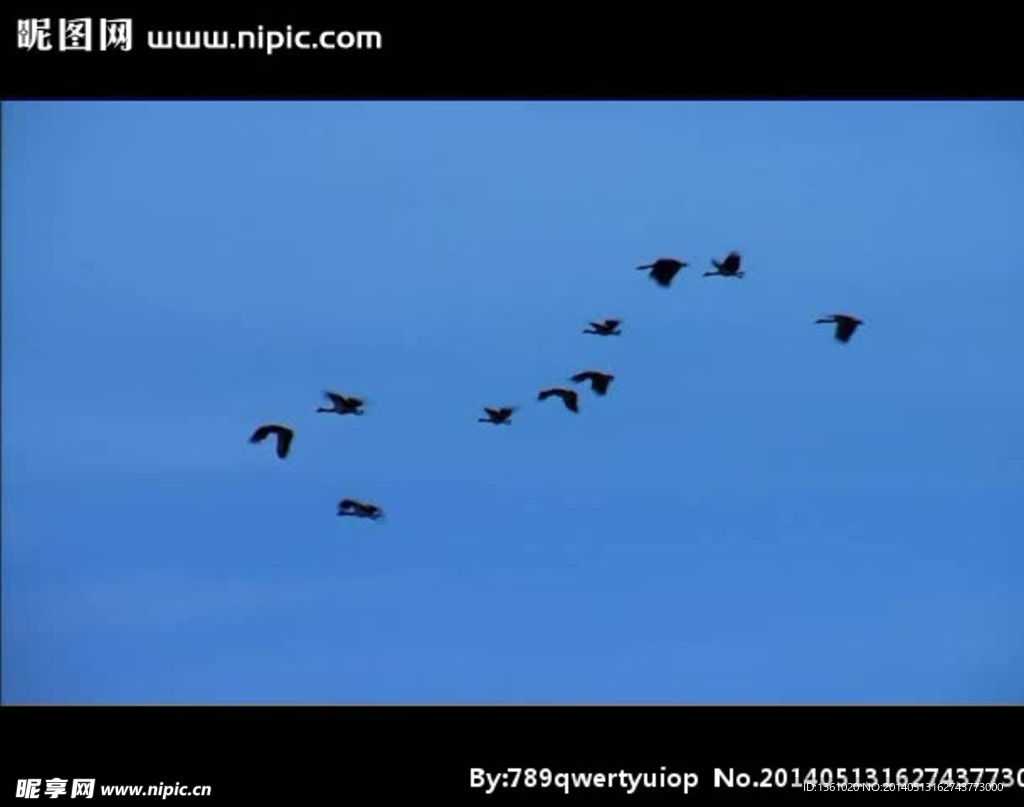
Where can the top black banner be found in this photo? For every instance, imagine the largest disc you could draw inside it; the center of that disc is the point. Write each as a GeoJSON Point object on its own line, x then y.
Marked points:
{"type": "Point", "coordinates": [354, 52]}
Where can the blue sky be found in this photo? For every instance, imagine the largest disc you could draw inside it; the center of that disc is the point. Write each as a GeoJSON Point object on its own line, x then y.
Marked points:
{"type": "Point", "coordinates": [754, 513]}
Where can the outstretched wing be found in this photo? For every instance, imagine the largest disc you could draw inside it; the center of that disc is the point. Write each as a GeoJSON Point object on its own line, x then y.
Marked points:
{"type": "Point", "coordinates": [598, 381]}
{"type": "Point", "coordinates": [283, 433]}
{"type": "Point", "coordinates": [664, 271]}
{"type": "Point", "coordinates": [845, 326]}
{"type": "Point", "coordinates": [261, 434]}
{"type": "Point", "coordinates": [284, 442]}
{"type": "Point", "coordinates": [344, 401]}
{"type": "Point", "coordinates": [568, 396]}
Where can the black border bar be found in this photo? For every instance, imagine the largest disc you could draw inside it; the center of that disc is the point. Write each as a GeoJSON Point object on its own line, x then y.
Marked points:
{"type": "Point", "coordinates": [528, 52]}
{"type": "Point", "coordinates": [333, 752]}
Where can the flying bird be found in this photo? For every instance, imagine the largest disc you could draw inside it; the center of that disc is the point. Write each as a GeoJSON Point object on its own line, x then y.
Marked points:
{"type": "Point", "coordinates": [568, 396]}
{"type": "Point", "coordinates": [609, 327]}
{"type": "Point", "coordinates": [664, 269]}
{"type": "Point", "coordinates": [354, 507]}
{"type": "Point", "coordinates": [598, 381]}
{"type": "Point", "coordinates": [283, 433]}
{"type": "Point", "coordinates": [342, 404]}
{"type": "Point", "coordinates": [730, 267]}
{"type": "Point", "coordinates": [502, 415]}
{"type": "Point", "coordinates": [845, 324]}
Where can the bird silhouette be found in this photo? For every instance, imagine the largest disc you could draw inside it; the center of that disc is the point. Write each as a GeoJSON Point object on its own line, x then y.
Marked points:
{"type": "Point", "coordinates": [663, 270]}
{"type": "Point", "coordinates": [598, 381]}
{"type": "Point", "coordinates": [354, 507]}
{"type": "Point", "coordinates": [568, 396]}
{"type": "Point", "coordinates": [845, 324]}
{"type": "Point", "coordinates": [283, 433]}
{"type": "Point", "coordinates": [609, 327]}
{"type": "Point", "coordinates": [730, 267]}
{"type": "Point", "coordinates": [342, 404]}
{"type": "Point", "coordinates": [494, 415]}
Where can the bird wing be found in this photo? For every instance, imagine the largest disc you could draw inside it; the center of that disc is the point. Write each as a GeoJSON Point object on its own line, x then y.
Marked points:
{"type": "Point", "coordinates": [845, 328]}
{"type": "Point", "coordinates": [664, 273]}
{"type": "Point", "coordinates": [284, 441]}
{"type": "Point", "coordinates": [568, 396]}
{"type": "Point", "coordinates": [586, 375]}
{"type": "Point", "coordinates": [343, 401]}
{"type": "Point", "coordinates": [268, 429]}
{"type": "Point", "coordinates": [612, 324]}
{"type": "Point", "coordinates": [260, 434]}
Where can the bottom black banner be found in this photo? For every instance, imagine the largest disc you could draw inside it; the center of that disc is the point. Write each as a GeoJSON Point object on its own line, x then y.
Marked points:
{"type": "Point", "coordinates": [223, 753]}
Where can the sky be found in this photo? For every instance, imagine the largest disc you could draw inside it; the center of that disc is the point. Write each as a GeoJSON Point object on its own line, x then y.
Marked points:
{"type": "Point", "coordinates": [754, 513]}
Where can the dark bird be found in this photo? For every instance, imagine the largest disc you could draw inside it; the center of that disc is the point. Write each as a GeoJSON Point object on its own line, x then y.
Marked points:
{"type": "Point", "coordinates": [730, 267]}
{"type": "Point", "coordinates": [343, 404]}
{"type": "Point", "coordinates": [846, 324]}
{"type": "Point", "coordinates": [502, 415]}
{"type": "Point", "coordinates": [283, 433]}
{"type": "Point", "coordinates": [610, 327]}
{"type": "Point", "coordinates": [354, 507]}
{"type": "Point", "coordinates": [568, 396]}
{"type": "Point", "coordinates": [598, 381]}
{"type": "Point", "coordinates": [664, 269]}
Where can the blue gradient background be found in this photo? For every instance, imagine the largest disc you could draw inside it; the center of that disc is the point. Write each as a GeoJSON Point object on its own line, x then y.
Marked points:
{"type": "Point", "coordinates": [755, 512]}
